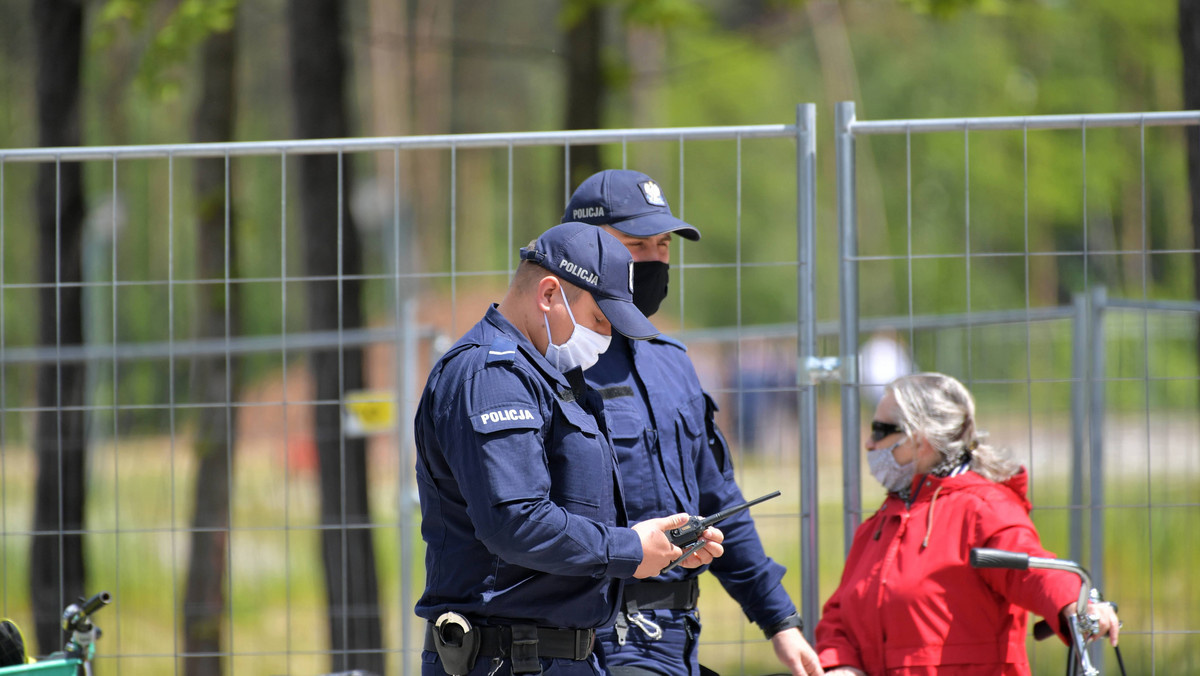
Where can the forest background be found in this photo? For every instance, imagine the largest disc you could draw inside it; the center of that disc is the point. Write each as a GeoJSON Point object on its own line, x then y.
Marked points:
{"type": "Point", "coordinates": [415, 67]}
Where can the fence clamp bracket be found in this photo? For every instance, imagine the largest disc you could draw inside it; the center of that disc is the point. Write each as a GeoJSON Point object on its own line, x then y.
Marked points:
{"type": "Point", "coordinates": [823, 369]}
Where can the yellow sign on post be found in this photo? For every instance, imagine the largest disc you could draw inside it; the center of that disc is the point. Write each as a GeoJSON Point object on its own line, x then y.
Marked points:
{"type": "Point", "coordinates": [369, 412]}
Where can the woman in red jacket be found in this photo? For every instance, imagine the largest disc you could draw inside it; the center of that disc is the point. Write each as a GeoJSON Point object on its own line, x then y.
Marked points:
{"type": "Point", "coordinates": [909, 603]}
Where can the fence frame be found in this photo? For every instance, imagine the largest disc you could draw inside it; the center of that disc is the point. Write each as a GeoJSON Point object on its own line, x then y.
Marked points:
{"type": "Point", "coordinates": [1088, 312]}
{"type": "Point", "coordinates": [405, 337]}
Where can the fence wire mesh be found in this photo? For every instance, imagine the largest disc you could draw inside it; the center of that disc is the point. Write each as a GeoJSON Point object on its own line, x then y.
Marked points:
{"type": "Point", "coordinates": [1072, 317]}
{"type": "Point", "coordinates": [1064, 313]}
{"type": "Point", "coordinates": [438, 221]}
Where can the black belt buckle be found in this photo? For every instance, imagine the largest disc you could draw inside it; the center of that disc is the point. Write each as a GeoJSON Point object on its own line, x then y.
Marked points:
{"type": "Point", "coordinates": [585, 643]}
{"type": "Point", "coordinates": [524, 650]}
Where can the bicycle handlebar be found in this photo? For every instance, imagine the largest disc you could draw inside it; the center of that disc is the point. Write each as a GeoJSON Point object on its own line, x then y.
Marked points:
{"type": "Point", "coordinates": [96, 602]}
{"type": "Point", "coordinates": [1081, 627]}
{"type": "Point", "coordinates": [984, 557]}
{"type": "Point", "coordinates": [76, 615]}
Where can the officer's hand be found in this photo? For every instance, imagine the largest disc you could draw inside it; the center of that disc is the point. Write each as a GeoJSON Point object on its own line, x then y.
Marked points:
{"type": "Point", "coordinates": [712, 549]}
{"type": "Point", "coordinates": [795, 653]}
{"type": "Point", "coordinates": [657, 550]}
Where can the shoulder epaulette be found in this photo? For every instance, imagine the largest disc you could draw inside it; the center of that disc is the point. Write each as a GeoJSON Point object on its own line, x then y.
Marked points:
{"type": "Point", "coordinates": [503, 350]}
{"type": "Point", "coordinates": [664, 338]}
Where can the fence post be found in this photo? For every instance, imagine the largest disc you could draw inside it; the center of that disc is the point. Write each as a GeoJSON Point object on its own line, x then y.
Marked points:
{"type": "Point", "coordinates": [1099, 381]}
{"type": "Point", "coordinates": [848, 321]}
{"type": "Point", "coordinates": [806, 388]}
{"type": "Point", "coordinates": [1079, 397]}
{"type": "Point", "coordinates": [1096, 436]}
{"type": "Point", "coordinates": [406, 405]}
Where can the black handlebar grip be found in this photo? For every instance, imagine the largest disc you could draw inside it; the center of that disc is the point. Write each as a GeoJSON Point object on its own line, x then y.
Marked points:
{"type": "Point", "coordinates": [983, 557]}
{"type": "Point", "coordinates": [1042, 630]}
{"type": "Point", "coordinates": [96, 603]}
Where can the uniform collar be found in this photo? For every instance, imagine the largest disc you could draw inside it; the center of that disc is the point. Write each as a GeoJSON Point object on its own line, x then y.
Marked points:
{"type": "Point", "coordinates": [500, 323]}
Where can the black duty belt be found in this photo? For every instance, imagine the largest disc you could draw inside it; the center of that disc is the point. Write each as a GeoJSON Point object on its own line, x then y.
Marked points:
{"type": "Point", "coordinates": [571, 644]}
{"type": "Point", "coordinates": [680, 595]}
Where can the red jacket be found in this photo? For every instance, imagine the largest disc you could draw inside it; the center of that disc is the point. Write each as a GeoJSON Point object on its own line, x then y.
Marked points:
{"type": "Point", "coordinates": [909, 601]}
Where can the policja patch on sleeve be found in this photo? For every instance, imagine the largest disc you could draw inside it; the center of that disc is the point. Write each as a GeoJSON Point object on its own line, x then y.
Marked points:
{"type": "Point", "coordinates": [501, 418]}
{"type": "Point", "coordinates": [487, 414]}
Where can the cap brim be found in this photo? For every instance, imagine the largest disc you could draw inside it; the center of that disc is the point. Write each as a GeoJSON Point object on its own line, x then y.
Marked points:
{"type": "Point", "coordinates": [626, 318]}
{"type": "Point", "coordinates": [656, 223]}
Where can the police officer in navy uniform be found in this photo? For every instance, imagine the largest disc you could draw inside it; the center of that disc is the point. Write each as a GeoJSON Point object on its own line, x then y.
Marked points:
{"type": "Point", "coordinates": [527, 539]}
{"type": "Point", "coordinates": [672, 456]}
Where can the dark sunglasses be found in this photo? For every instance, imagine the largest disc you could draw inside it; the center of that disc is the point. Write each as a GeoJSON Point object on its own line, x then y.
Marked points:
{"type": "Point", "coordinates": [882, 430]}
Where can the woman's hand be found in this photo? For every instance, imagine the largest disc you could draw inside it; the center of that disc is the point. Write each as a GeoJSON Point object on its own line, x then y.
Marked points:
{"type": "Point", "coordinates": [1106, 616]}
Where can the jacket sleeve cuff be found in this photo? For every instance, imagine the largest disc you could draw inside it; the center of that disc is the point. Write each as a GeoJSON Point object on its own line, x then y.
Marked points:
{"type": "Point", "coordinates": [624, 553]}
{"type": "Point", "coordinates": [792, 621]}
{"type": "Point", "coordinates": [1060, 598]}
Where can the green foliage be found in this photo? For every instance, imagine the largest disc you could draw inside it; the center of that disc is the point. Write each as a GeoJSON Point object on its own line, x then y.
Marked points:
{"type": "Point", "coordinates": [946, 9]}
{"type": "Point", "coordinates": [665, 14]}
{"type": "Point", "coordinates": [172, 43]}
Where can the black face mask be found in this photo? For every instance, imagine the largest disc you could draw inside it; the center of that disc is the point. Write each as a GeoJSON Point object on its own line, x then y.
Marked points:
{"type": "Point", "coordinates": [649, 285]}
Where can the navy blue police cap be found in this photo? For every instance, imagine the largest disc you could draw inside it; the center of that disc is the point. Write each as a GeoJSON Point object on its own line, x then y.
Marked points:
{"type": "Point", "coordinates": [629, 201]}
{"type": "Point", "coordinates": [592, 259]}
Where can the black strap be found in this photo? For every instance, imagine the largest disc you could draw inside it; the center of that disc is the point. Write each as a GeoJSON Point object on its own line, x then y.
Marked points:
{"type": "Point", "coordinates": [681, 595]}
{"type": "Point", "coordinates": [571, 644]}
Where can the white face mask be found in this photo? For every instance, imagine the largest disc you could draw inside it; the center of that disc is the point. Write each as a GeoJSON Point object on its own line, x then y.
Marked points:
{"type": "Point", "coordinates": [891, 474]}
{"type": "Point", "coordinates": [583, 348]}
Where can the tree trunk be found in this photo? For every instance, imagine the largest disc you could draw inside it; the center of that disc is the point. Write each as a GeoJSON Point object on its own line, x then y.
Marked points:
{"type": "Point", "coordinates": [205, 604]}
{"type": "Point", "coordinates": [585, 88]}
{"type": "Point", "coordinates": [57, 569]}
{"type": "Point", "coordinates": [318, 73]}
{"type": "Point", "coordinates": [1189, 46]}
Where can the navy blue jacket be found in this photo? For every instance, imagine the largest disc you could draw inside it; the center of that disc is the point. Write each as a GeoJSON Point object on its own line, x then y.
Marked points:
{"type": "Point", "coordinates": [521, 506]}
{"type": "Point", "coordinates": [673, 458]}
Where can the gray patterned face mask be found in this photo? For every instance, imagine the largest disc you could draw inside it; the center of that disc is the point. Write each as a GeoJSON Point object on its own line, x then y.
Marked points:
{"type": "Point", "coordinates": [891, 474]}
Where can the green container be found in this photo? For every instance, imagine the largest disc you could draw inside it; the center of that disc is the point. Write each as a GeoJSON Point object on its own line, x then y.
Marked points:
{"type": "Point", "coordinates": [44, 668]}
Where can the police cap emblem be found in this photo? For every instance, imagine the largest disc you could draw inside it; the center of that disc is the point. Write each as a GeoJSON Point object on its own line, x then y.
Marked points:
{"type": "Point", "coordinates": [653, 193]}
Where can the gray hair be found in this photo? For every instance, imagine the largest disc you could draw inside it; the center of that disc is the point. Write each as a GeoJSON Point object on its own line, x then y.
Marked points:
{"type": "Point", "coordinates": [937, 407]}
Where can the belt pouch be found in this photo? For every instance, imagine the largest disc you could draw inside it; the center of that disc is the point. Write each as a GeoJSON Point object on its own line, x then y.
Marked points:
{"type": "Point", "coordinates": [456, 648]}
{"type": "Point", "coordinates": [525, 649]}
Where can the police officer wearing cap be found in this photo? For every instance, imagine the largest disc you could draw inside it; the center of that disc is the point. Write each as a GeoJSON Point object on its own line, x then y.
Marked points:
{"type": "Point", "coordinates": [527, 540]}
{"type": "Point", "coordinates": [672, 456]}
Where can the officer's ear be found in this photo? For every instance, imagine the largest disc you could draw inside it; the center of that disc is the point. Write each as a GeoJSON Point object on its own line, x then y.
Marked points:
{"type": "Point", "coordinates": [547, 287]}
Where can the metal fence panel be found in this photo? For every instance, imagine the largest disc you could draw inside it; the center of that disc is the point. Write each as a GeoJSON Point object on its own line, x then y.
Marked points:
{"type": "Point", "coordinates": [440, 219]}
{"type": "Point", "coordinates": [1107, 468]}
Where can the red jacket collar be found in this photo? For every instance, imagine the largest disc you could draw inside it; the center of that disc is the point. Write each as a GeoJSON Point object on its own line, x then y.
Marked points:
{"type": "Point", "coordinates": [924, 485]}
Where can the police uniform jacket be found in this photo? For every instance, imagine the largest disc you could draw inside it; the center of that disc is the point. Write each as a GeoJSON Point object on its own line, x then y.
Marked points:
{"type": "Point", "coordinates": [673, 459]}
{"type": "Point", "coordinates": [520, 497]}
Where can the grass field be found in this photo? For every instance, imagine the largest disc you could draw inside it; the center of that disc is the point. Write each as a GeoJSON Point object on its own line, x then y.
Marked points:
{"type": "Point", "coordinates": [140, 497]}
